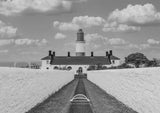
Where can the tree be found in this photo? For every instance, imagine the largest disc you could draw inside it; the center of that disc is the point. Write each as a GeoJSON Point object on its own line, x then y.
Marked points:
{"type": "Point", "coordinates": [152, 63]}
{"type": "Point", "coordinates": [91, 67]}
{"type": "Point", "coordinates": [137, 59]}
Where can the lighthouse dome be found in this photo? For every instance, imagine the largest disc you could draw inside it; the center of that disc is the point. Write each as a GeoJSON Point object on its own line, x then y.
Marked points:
{"type": "Point", "coordinates": [80, 35]}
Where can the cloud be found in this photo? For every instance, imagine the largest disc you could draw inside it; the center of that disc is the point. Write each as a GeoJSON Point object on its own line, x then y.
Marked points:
{"type": "Point", "coordinates": [65, 26]}
{"type": "Point", "coordinates": [24, 41]}
{"type": "Point", "coordinates": [115, 27]}
{"type": "Point", "coordinates": [4, 51]}
{"type": "Point", "coordinates": [94, 37]}
{"type": "Point", "coordinates": [7, 31]}
{"type": "Point", "coordinates": [95, 41]}
{"type": "Point", "coordinates": [60, 36]}
{"type": "Point", "coordinates": [12, 7]}
{"type": "Point", "coordinates": [27, 41]}
{"type": "Point", "coordinates": [120, 43]}
{"type": "Point", "coordinates": [148, 44]}
{"type": "Point", "coordinates": [138, 14]}
{"type": "Point", "coordinates": [132, 18]}
{"type": "Point", "coordinates": [117, 41]}
{"type": "Point", "coordinates": [153, 41]}
{"type": "Point", "coordinates": [79, 22]}
{"type": "Point", "coordinates": [4, 42]}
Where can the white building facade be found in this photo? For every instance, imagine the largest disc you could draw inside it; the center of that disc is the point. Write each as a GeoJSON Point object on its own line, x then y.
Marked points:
{"type": "Point", "coordinates": [68, 62]}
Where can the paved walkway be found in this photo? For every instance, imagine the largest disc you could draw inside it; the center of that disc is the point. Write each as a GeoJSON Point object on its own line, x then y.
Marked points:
{"type": "Point", "coordinates": [100, 101]}
{"type": "Point", "coordinates": [80, 107]}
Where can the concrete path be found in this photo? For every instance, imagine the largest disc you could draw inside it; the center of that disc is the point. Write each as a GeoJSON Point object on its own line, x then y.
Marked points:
{"type": "Point", "coordinates": [100, 101]}
{"type": "Point", "coordinates": [79, 106]}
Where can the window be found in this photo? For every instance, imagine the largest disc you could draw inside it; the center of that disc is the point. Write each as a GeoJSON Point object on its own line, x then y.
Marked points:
{"type": "Point", "coordinates": [55, 67]}
{"type": "Point", "coordinates": [47, 68]}
{"type": "Point", "coordinates": [48, 62]}
{"type": "Point", "coordinates": [113, 62]}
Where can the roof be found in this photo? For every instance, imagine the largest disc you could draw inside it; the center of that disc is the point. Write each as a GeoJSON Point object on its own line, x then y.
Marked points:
{"type": "Point", "coordinates": [114, 58]}
{"type": "Point", "coordinates": [79, 60]}
{"type": "Point", "coordinates": [49, 57]}
{"type": "Point", "coordinates": [46, 58]}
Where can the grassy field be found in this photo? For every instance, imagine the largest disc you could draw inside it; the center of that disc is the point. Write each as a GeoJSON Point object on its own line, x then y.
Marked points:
{"type": "Point", "coordinates": [103, 102]}
{"type": "Point", "coordinates": [58, 102]}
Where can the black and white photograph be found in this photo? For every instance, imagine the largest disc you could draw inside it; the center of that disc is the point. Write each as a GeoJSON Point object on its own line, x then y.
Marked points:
{"type": "Point", "coordinates": [79, 56]}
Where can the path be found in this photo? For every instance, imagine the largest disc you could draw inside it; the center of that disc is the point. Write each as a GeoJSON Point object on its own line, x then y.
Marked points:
{"type": "Point", "coordinates": [100, 101]}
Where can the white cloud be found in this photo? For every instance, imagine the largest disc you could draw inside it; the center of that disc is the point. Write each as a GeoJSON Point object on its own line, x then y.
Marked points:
{"type": "Point", "coordinates": [11, 7]}
{"type": "Point", "coordinates": [60, 36]}
{"type": "Point", "coordinates": [132, 46]}
{"type": "Point", "coordinates": [6, 42]}
{"type": "Point", "coordinates": [41, 42]}
{"type": "Point", "coordinates": [7, 31]}
{"type": "Point", "coordinates": [94, 37]}
{"type": "Point", "coordinates": [27, 41]}
{"type": "Point", "coordinates": [23, 41]}
{"type": "Point", "coordinates": [4, 51]}
{"type": "Point", "coordinates": [79, 22]}
{"type": "Point", "coordinates": [65, 26]}
{"type": "Point", "coordinates": [144, 46]}
{"type": "Point", "coordinates": [86, 21]}
{"type": "Point", "coordinates": [115, 27]}
{"type": "Point", "coordinates": [132, 18]}
{"type": "Point", "coordinates": [153, 41]}
{"type": "Point", "coordinates": [139, 14]}
{"type": "Point", "coordinates": [117, 41]}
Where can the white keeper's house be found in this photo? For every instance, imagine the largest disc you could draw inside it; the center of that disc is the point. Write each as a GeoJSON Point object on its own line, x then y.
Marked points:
{"type": "Point", "coordinates": [51, 61]}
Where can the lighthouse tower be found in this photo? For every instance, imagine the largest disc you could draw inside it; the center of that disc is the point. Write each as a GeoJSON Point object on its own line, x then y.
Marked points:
{"type": "Point", "coordinates": [80, 43]}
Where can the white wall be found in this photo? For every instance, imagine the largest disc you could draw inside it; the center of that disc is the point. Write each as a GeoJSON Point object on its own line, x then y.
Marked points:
{"type": "Point", "coordinates": [80, 47]}
{"type": "Point", "coordinates": [74, 67]}
{"type": "Point", "coordinates": [45, 64]}
{"type": "Point", "coordinates": [116, 62]}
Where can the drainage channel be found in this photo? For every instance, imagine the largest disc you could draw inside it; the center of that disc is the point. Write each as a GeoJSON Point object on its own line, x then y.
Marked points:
{"type": "Point", "coordinates": [80, 102]}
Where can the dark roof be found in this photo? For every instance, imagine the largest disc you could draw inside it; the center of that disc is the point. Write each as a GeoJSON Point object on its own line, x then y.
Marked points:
{"type": "Point", "coordinates": [114, 58]}
{"type": "Point", "coordinates": [49, 57]}
{"type": "Point", "coordinates": [46, 58]}
{"type": "Point", "coordinates": [80, 60]}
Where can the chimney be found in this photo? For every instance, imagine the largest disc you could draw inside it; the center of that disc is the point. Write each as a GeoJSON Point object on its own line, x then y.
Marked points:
{"type": "Point", "coordinates": [54, 54]}
{"type": "Point", "coordinates": [107, 53]}
{"type": "Point", "coordinates": [109, 58]}
{"type": "Point", "coordinates": [92, 54]}
{"type": "Point", "coordinates": [110, 52]}
{"type": "Point", "coordinates": [52, 57]}
{"type": "Point", "coordinates": [69, 54]}
{"type": "Point", "coordinates": [50, 52]}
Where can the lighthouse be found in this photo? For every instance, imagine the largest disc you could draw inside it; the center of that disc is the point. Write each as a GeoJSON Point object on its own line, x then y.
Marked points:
{"type": "Point", "coordinates": [80, 43]}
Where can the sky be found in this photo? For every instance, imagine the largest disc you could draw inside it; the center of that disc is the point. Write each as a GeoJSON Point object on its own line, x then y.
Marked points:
{"type": "Point", "coordinates": [29, 28]}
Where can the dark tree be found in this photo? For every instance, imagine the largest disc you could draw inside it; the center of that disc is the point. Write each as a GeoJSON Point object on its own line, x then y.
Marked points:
{"type": "Point", "coordinates": [137, 59]}
{"type": "Point", "coordinates": [91, 67]}
{"type": "Point", "coordinates": [152, 63]}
